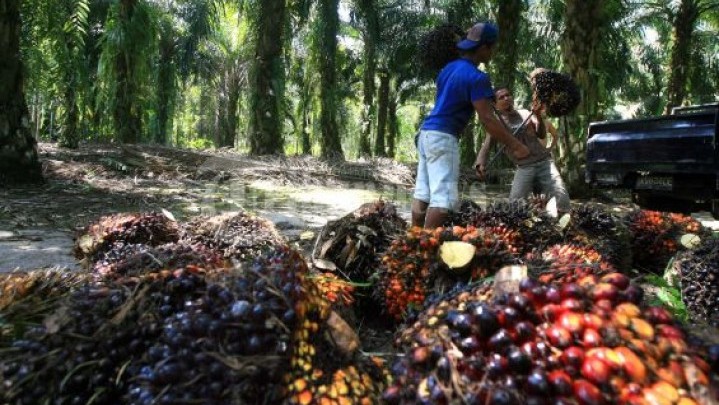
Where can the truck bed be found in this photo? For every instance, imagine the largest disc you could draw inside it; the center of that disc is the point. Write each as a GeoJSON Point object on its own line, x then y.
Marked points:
{"type": "Point", "coordinates": [673, 143]}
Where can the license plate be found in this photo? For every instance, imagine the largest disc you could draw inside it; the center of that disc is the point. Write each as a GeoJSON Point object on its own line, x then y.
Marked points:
{"type": "Point", "coordinates": [654, 183]}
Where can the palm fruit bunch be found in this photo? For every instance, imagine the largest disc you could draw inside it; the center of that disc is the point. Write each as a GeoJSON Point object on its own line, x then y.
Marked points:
{"type": "Point", "coordinates": [232, 342]}
{"type": "Point", "coordinates": [327, 369]}
{"type": "Point", "coordinates": [549, 344]}
{"type": "Point", "coordinates": [325, 366]}
{"type": "Point", "coordinates": [699, 280]}
{"type": "Point", "coordinates": [239, 236]}
{"type": "Point", "coordinates": [190, 335]}
{"type": "Point", "coordinates": [27, 297]}
{"type": "Point", "coordinates": [655, 237]}
{"type": "Point", "coordinates": [334, 289]}
{"type": "Point", "coordinates": [355, 242]}
{"type": "Point", "coordinates": [568, 262]}
{"type": "Point", "coordinates": [592, 225]}
{"type": "Point", "coordinates": [153, 228]}
{"type": "Point", "coordinates": [412, 264]}
{"type": "Point", "coordinates": [86, 347]}
{"type": "Point", "coordinates": [438, 47]}
{"type": "Point", "coordinates": [555, 90]}
{"type": "Point", "coordinates": [135, 259]}
{"type": "Point", "coordinates": [523, 224]}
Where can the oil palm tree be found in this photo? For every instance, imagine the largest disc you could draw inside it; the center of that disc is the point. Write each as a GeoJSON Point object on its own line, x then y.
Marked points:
{"type": "Point", "coordinates": [328, 26]}
{"type": "Point", "coordinates": [267, 79]}
{"type": "Point", "coordinates": [18, 149]}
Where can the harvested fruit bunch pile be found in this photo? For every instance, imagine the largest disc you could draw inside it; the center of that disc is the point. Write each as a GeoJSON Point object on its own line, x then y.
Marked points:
{"type": "Point", "coordinates": [655, 237]}
{"type": "Point", "coordinates": [152, 228]}
{"type": "Point", "coordinates": [26, 298]}
{"type": "Point", "coordinates": [549, 344]}
{"type": "Point", "coordinates": [438, 47]}
{"type": "Point", "coordinates": [412, 264]}
{"type": "Point", "coordinates": [568, 263]}
{"type": "Point", "coordinates": [524, 224]}
{"type": "Point", "coordinates": [355, 242]}
{"type": "Point", "coordinates": [699, 275]}
{"type": "Point", "coordinates": [238, 236]}
{"type": "Point", "coordinates": [137, 259]}
{"type": "Point", "coordinates": [556, 90]}
{"type": "Point", "coordinates": [592, 225]}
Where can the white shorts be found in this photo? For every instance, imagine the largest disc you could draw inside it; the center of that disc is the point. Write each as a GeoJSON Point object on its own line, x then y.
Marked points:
{"type": "Point", "coordinates": [437, 170]}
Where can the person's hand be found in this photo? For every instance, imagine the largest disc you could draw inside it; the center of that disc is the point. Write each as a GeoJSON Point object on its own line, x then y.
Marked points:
{"type": "Point", "coordinates": [537, 107]}
{"type": "Point", "coordinates": [519, 151]}
{"type": "Point", "coordinates": [481, 170]}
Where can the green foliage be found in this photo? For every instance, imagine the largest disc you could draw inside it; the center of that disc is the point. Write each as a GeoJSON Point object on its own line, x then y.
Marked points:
{"type": "Point", "coordinates": [667, 295]}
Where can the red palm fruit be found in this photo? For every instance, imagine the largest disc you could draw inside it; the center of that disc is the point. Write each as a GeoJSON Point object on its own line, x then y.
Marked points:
{"type": "Point", "coordinates": [673, 373]}
{"type": "Point", "coordinates": [658, 315]}
{"type": "Point", "coordinates": [605, 291]}
{"type": "Point", "coordinates": [669, 331]}
{"type": "Point", "coordinates": [571, 290]}
{"type": "Point", "coordinates": [666, 390]}
{"type": "Point", "coordinates": [595, 370]}
{"type": "Point", "coordinates": [587, 393]}
{"type": "Point", "coordinates": [550, 312]}
{"type": "Point", "coordinates": [621, 320]}
{"type": "Point", "coordinates": [553, 295]}
{"type": "Point", "coordinates": [636, 400]}
{"type": "Point", "coordinates": [630, 389]}
{"type": "Point", "coordinates": [632, 365]}
{"type": "Point", "coordinates": [524, 331]}
{"type": "Point", "coordinates": [650, 397]}
{"type": "Point", "coordinates": [587, 280]}
{"type": "Point", "coordinates": [628, 309]}
{"type": "Point", "coordinates": [699, 362]}
{"type": "Point", "coordinates": [558, 336]}
{"type": "Point", "coordinates": [606, 355]}
{"type": "Point", "coordinates": [591, 338]}
{"type": "Point", "coordinates": [593, 321]}
{"type": "Point", "coordinates": [572, 304]}
{"type": "Point", "coordinates": [633, 293]}
{"type": "Point", "coordinates": [686, 401]}
{"type": "Point", "coordinates": [619, 280]}
{"type": "Point", "coordinates": [561, 382]}
{"type": "Point", "coordinates": [604, 304]}
{"type": "Point", "coordinates": [617, 384]}
{"type": "Point", "coordinates": [572, 321]}
{"type": "Point", "coordinates": [642, 329]}
{"type": "Point", "coordinates": [420, 355]}
{"type": "Point", "coordinates": [573, 356]}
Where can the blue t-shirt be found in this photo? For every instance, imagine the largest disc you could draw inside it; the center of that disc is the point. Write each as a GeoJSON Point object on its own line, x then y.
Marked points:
{"type": "Point", "coordinates": [458, 85]}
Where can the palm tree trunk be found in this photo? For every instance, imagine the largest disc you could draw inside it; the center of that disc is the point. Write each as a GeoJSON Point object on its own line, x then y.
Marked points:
{"type": "Point", "coordinates": [584, 21]}
{"type": "Point", "coordinates": [392, 121]}
{"type": "Point", "coordinates": [69, 137]}
{"type": "Point", "coordinates": [330, 141]}
{"type": "Point", "coordinates": [267, 80]}
{"type": "Point", "coordinates": [369, 11]}
{"type": "Point", "coordinates": [682, 33]}
{"type": "Point", "coordinates": [509, 21]}
{"type": "Point", "coordinates": [382, 111]}
{"type": "Point", "coordinates": [166, 83]}
{"type": "Point", "coordinates": [127, 120]}
{"type": "Point", "coordinates": [18, 150]}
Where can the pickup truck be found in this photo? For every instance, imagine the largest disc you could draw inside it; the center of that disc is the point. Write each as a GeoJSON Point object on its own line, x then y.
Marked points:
{"type": "Point", "coordinates": [670, 163]}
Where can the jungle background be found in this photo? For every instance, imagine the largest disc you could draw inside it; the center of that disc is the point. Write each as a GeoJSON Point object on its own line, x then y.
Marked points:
{"type": "Point", "coordinates": [329, 78]}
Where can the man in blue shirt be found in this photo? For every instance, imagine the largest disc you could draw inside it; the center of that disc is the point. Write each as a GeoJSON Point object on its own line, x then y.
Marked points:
{"type": "Point", "coordinates": [461, 89]}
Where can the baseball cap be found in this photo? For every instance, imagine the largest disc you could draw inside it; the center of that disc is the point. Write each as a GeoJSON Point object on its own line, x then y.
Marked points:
{"type": "Point", "coordinates": [479, 34]}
